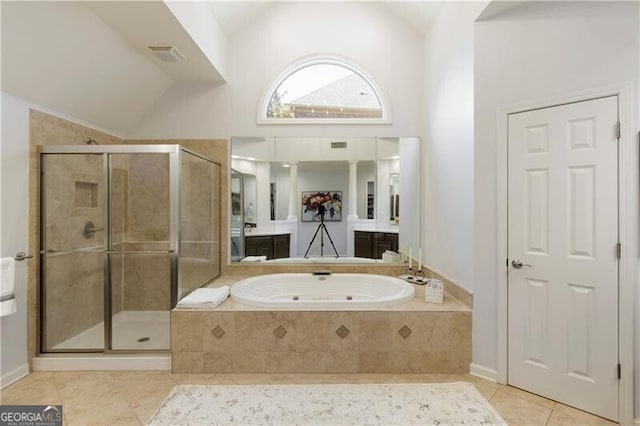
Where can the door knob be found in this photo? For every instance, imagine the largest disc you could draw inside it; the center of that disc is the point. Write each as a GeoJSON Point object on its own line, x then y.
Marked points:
{"type": "Point", "coordinates": [517, 263]}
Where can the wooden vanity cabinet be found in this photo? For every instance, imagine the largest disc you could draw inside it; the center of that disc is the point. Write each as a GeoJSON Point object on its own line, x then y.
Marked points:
{"type": "Point", "coordinates": [272, 246]}
{"type": "Point", "coordinates": [372, 244]}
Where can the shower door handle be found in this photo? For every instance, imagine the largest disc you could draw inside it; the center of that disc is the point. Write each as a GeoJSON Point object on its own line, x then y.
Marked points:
{"type": "Point", "coordinates": [89, 230]}
{"type": "Point", "coordinates": [22, 256]}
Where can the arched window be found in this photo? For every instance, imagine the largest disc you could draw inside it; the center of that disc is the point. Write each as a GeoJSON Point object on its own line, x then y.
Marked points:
{"type": "Point", "coordinates": [323, 90]}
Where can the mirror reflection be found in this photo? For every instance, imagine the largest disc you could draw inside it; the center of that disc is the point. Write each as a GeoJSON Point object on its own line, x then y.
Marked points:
{"type": "Point", "coordinates": [324, 200]}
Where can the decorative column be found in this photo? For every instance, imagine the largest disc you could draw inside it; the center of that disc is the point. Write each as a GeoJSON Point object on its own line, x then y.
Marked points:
{"type": "Point", "coordinates": [294, 198]}
{"type": "Point", "coordinates": [353, 189]}
{"type": "Point", "coordinates": [263, 184]}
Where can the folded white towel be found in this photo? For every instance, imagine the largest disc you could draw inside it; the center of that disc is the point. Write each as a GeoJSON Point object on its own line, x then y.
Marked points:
{"type": "Point", "coordinates": [254, 259]}
{"type": "Point", "coordinates": [204, 298]}
{"type": "Point", "coordinates": [7, 308]}
{"type": "Point", "coordinates": [7, 276]}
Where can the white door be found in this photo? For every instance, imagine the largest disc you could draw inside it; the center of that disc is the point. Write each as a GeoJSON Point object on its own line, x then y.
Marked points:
{"type": "Point", "coordinates": [563, 228]}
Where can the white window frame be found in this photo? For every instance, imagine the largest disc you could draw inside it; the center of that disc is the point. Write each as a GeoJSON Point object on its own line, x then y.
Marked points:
{"type": "Point", "coordinates": [323, 60]}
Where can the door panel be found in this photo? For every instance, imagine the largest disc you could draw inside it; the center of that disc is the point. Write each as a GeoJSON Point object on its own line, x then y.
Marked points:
{"type": "Point", "coordinates": [563, 227]}
{"type": "Point", "coordinates": [72, 256]}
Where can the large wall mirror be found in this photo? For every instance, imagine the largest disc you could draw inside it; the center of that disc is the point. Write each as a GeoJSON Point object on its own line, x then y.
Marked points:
{"type": "Point", "coordinates": [324, 200]}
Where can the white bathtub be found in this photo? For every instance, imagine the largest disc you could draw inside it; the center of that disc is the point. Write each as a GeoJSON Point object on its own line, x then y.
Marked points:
{"type": "Point", "coordinates": [309, 291]}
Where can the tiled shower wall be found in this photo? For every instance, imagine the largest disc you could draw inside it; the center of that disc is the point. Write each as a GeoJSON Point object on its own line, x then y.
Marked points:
{"type": "Point", "coordinates": [75, 298]}
{"type": "Point", "coordinates": [140, 200]}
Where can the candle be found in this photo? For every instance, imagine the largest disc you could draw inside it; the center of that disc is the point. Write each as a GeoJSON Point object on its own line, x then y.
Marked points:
{"type": "Point", "coordinates": [420, 259]}
{"type": "Point", "coordinates": [410, 258]}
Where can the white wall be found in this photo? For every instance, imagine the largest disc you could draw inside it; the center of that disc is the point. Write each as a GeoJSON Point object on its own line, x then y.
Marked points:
{"type": "Point", "coordinates": [14, 155]}
{"type": "Point", "coordinates": [62, 56]}
{"type": "Point", "coordinates": [533, 52]}
{"type": "Point", "coordinates": [447, 143]}
{"type": "Point", "coordinates": [198, 21]}
{"type": "Point", "coordinates": [282, 34]}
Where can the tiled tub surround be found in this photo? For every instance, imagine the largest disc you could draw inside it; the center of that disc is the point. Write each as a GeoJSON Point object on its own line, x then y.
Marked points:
{"type": "Point", "coordinates": [414, 337]}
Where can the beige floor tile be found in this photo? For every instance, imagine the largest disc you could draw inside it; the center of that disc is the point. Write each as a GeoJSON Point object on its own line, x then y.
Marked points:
{"type": "Point", "coordinates": [36, 388]}
{"type": "Point", "coordinates": [564, 415]}
{"type": "Point", "coordinates": [203, 379]}
{"type": "Point", "coordinates": [479, 380]}
{"type": "Point", "coordinates": [262, 379]}
{"type": "Point", "coordinates": [104, 410]}
{"type": "Point", "coordinates": [90, 397]}
{"type": "Point", "coordinates": [486, 391]}
{"type": "Point", "coordinates": [88, 389]}
{"type": "Point", "coordinates": [142, 388]}
{"type": "Point", "coordinates": [519, 411]}
{"type": "Point", "coordinates": [527, 395]}
{"type": "Point", "coordinates": [146, 411]}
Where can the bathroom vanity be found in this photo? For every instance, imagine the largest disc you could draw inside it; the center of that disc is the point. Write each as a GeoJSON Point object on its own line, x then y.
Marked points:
{"type": "Point", "coordinates": [371, 244]}
{"type": "Point", "coordinates": [274, 246]}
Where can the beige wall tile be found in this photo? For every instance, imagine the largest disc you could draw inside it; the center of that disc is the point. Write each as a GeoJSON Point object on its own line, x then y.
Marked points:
{"type": "Point", "coordinates": [187, 331]}
{"type": "Point", "coordinates": [373, 362]}
{"type": "Point", "coordinates": [187, 362]}
{"type": "Point", "coordinates": [351, 321]}
{"type": "Point", "coordinates": [220, 333]}
{"type": "Point", "coordinates": [342, 362]}
{"type": "Point", "coordinates": [296, 362]}
{"type": "Point", "coordinates": [373, 331]}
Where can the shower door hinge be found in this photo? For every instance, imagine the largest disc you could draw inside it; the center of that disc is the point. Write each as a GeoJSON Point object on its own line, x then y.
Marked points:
{"type": "Point", "coordinates": [619, 250]}
{"type": "Point", "coordinates": [618, 130]}
{"type": "Point", "coordinates": [619, 371]}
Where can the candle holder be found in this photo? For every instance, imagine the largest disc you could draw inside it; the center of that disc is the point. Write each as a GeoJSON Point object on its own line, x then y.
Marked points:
{"type": "Point", "coordinates": [420, 277]}
{"type": "Point", "coordinates": [409, 273]}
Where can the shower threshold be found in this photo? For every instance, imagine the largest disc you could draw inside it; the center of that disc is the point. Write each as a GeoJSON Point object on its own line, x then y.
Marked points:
{"type": "Point", "coordinates": [131, 330]}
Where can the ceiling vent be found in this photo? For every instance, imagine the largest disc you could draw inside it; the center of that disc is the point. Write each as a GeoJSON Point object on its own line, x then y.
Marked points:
{"type": "Point", "coordinates": [167, 53]}
{"type": "Point", "coordinates": [338, 145]}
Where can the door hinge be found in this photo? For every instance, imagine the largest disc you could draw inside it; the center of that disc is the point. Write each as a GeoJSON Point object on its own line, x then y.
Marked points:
{"type": "Point", "coordinates": [618, 131]}
{"type": "Point", "coordinates": [507, 262]}
{"type": "Point", "coordinates": [619, 371]}
{"type": "Point", "coordinates": [619, 250]}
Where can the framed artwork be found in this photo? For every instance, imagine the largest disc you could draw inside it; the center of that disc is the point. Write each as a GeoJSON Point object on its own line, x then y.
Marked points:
{"type": "Point", "coordinates": [321, 204]}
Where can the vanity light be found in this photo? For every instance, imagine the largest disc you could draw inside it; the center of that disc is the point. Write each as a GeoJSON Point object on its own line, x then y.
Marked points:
{"type": "Point", "coordinates": [285, 164]}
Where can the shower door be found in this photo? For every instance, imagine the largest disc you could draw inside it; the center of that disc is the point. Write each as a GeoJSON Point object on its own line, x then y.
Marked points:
{"type": "Point", "coordinates": [72, 253]}
{"type": "Point", "coordinates": [109, 238]}
{"type": "Point", "coordinates": [139, 251]}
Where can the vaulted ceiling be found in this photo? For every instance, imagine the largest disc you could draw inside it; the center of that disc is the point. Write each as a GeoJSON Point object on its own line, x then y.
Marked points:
{"type": "Point", "coordinates": [90, 60]}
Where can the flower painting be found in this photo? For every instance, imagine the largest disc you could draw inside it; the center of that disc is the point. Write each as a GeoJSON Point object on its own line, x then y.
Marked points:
{"type": "Point", "coordinates": [317, 205]}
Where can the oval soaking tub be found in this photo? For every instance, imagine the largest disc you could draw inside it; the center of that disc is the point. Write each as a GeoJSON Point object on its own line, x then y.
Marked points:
{"type": "Point", "coordinates": [311, 291]}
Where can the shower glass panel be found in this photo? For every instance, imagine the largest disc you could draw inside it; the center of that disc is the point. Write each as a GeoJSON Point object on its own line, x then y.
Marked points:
{"type": "Point", "coordinates": [199, 223]}
{"type": "Point", "coordinates": [139, 250]}
{"type": "Point", "coordinates": [72, 258]}
{"type": "Point", "coordinates": [126, 230]}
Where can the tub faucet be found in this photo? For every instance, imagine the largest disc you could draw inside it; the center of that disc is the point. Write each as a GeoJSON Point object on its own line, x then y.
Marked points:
{"type": "Point", "coordinates": [322, 272]}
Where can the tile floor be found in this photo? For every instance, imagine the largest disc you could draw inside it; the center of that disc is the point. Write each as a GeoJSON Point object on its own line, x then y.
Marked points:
{"type": "Point", "coordinates": [132, 397]}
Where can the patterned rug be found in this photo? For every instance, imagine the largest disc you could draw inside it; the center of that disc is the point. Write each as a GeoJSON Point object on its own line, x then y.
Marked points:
{"type": "Point", "coordinates": [347, 404]}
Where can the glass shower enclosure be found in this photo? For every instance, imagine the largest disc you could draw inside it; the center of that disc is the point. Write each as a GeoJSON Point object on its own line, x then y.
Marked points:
{"type": "Point", "coordinates": [125, 232]}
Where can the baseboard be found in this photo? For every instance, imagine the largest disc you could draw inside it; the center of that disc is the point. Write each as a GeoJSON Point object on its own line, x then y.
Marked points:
{"type": "Point", "coordinates": [484, 372]}
{"type": "Point", "coordinates": [14, 375]}
{"type": "Point", "coordinates": [101, 362]}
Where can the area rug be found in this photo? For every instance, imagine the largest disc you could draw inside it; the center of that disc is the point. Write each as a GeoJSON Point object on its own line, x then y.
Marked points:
{"type": "Point", "coordinates": [345, 404]}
